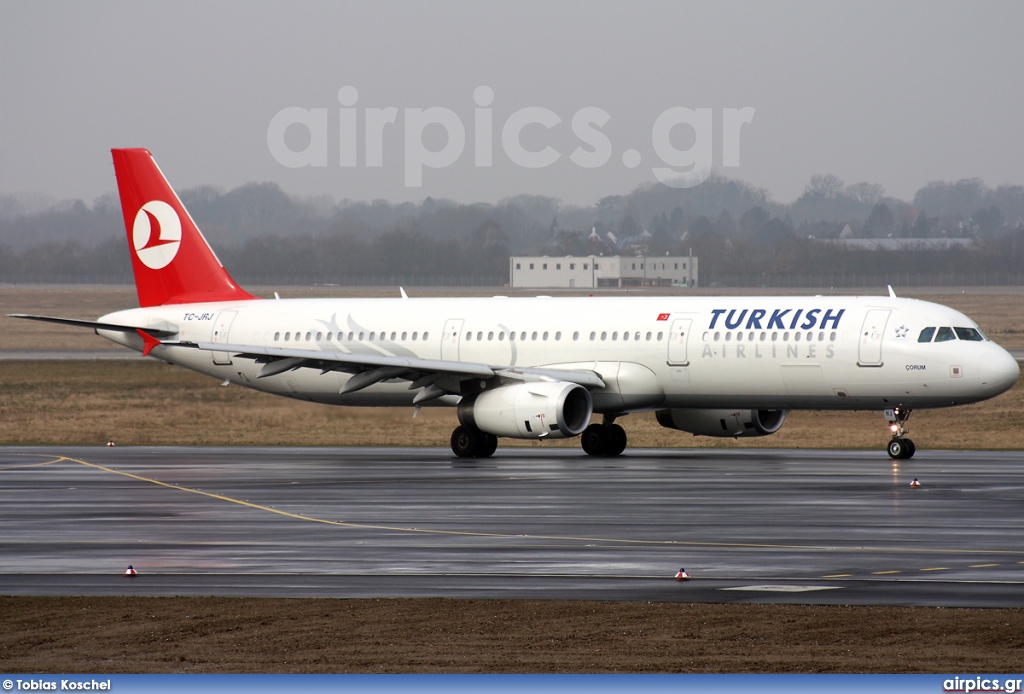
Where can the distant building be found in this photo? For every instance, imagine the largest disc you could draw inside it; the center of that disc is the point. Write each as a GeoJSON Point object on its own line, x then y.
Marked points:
{"type": "Point", "coordinates": [602, 271]}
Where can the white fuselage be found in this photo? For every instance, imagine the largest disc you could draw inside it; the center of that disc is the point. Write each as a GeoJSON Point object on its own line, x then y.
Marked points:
{"type": "Point", "coordinates": [652, 352]}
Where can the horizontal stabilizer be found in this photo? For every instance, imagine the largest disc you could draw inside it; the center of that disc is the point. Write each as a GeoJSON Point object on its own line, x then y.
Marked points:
{"type": "Point", "coordinates": [162, 330]}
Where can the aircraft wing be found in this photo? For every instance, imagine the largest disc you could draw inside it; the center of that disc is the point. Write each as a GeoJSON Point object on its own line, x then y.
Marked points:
{"type": "Point", "coordinates": [438, 376]}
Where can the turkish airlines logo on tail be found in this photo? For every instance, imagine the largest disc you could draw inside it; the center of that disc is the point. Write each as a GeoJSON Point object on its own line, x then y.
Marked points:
{"type": "Point", "coordinates": [156, 234]}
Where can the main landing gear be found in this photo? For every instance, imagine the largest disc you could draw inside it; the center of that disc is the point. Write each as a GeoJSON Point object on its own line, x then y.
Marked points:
{"type": "Point", "coordinates": [473, 443]}
{"type": "Point", "coordinates": [900, 447]}
{"type": "Point", "coordinates": [608, 439]}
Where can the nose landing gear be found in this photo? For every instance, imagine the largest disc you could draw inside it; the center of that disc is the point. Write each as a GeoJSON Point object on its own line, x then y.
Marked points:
{"type": "Point", "coordinates": [900, 447]}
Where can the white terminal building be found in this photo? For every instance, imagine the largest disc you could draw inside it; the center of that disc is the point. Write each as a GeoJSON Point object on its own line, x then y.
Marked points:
{"type": "Point", "coordinates": [603, 271]}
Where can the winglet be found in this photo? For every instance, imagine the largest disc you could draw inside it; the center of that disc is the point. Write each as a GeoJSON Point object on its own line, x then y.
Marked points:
{"type": "Point", "coordinates": [148, 342]}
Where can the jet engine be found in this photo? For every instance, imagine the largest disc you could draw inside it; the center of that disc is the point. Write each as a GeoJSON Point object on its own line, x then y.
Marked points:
{"type": "Point", "coordinates": [542, 409]}
{"type": "Point", "coordinates": [724, 423]}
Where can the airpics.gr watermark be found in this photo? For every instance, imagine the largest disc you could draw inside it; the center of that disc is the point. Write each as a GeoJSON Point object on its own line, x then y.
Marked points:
{"type": "Point", "coordinates": [966, 685]}
{"type": "Point", "coordinates": [682, 168]}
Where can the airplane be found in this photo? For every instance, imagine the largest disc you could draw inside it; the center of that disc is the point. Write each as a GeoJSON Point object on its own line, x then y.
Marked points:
{"type": "Point", "coordinates": [544, 367]}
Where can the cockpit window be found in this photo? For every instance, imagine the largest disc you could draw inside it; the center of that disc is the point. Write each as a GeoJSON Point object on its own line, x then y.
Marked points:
{"type": "Point", "coordinates": [926, 335]}
{"type": "Point", "coordinates": [969, 334]}
{"type": "Point", "coordinates": [945, 335]}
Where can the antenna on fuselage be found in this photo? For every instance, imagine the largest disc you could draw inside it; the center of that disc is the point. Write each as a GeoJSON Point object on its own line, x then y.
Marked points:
{"type": "Point", "coordinates": [892, 294]}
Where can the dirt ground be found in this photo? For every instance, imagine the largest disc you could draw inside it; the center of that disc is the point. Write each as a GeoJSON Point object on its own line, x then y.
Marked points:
{"type": "Point", "coordinates": [150, 403]}
{"type": "Point", "coordinates": [242, 635]}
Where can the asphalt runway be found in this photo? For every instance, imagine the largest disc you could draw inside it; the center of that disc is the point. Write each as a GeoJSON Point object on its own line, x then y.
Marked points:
{"type": "Point", "coordinates": [778, 526]}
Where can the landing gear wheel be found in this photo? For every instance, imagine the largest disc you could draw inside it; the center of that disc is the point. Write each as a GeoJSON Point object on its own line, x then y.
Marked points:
{"type": "Point", "coordinates": [901, 449]}
{"type": "Point", "coordinates": [488, 446]}
{"type": "Point", "coordinates": [473, 443]}
{"type": "Point", "coordinates": [594, 439]}
{"type": "Point", "coordinates": [911, 448]}
{"type": "Point", "coordinates": [616, 440]}
{"type": "Point", "coordinates": [896, 449]}
{"type": "Point", "coordinates": [603, 439]}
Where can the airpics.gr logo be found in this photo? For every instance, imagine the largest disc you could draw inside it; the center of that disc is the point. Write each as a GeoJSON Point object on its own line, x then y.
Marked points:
{"type": "Point", "coordinates": [156, 234]}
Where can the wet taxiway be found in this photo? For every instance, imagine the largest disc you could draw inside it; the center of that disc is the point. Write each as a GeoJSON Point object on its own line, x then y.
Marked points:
{"type": "Point", "coordinates": [786, 526]}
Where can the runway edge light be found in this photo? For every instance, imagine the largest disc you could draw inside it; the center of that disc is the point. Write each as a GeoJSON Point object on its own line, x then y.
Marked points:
{"type": "Point", "coordinates": [682, 575]}
{"type": "Point", "coordinates": [915, 484]}
{"type": "Point", "coordinates": [130, 571]}
{"type": "Point", "coordinates": [110, 443]}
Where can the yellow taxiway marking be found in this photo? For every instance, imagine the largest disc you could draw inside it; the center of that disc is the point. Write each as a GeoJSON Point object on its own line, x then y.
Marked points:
{"type": "Point", "coordinates": [466, 533]}
{"type": "Point", "coordinates": [48, 462]}
{"type": "Point", "coordinates": [837, 576]}
{"type": "Point", "coordinates": [982, 566]}
{"type": "Point", "coordinates": [883, 573]}
{"type": "Point", "coordinates": [937, 568]}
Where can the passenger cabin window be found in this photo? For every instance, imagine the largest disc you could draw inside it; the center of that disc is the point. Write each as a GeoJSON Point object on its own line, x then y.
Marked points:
{"type": "Point", "coordinates": [926, 335]}
{"type": "Point", "coordinates": [945, 335]}
{"type": "Point", "coordinates": [969, 334]}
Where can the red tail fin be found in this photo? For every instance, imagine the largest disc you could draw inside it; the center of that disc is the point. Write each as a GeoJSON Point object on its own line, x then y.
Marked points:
{"type": "Point", "coordinates": [172, 261]}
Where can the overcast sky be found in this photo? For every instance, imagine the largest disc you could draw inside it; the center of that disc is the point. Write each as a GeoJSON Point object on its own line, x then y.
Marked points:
{"type": "Point", "coordinates": [896, 93]}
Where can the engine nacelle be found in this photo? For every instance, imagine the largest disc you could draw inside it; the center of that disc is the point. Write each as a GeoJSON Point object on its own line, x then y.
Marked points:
{"type": "Point", "coordinates": [724, 423]}
{"type": "Point", "coordinates": [542, 409]}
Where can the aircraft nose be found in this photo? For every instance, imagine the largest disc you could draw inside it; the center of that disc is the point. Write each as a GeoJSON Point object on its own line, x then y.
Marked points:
{"type": "Point", "coordinates": [999, 371]}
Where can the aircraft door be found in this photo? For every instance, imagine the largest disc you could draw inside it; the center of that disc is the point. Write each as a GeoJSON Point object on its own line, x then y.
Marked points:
{"type": "Point", "coordinates": [221, 330]}
{"type": "Point", "coordinates": [870, 352]}
{"type": "Point", "coordinates": [678, 336]}
{"type": "Point", "coordinates": [450, 339]}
